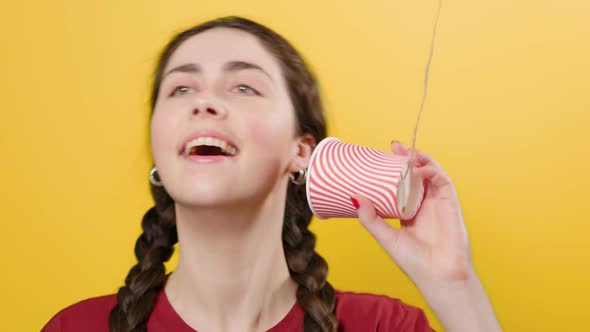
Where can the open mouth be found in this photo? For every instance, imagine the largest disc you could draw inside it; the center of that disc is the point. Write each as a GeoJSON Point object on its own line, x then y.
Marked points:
{"type": "Point", "coordinates": [209, 146]}
{"type": "Point", "coordinates": [208, 150]}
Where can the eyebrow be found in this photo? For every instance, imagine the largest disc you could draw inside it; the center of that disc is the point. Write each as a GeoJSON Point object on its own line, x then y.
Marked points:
{"type": "Point", "coordinates": [231, 66]}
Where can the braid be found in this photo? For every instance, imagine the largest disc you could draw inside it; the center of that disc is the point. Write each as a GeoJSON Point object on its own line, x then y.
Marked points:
{"type": "Point", "coordinates": [154, 246]}
{"type": "Point", "coordinates": [307, 268]}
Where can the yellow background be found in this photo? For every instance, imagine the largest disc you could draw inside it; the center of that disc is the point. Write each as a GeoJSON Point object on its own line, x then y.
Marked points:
{"type": "Point", "coordinates": [508, 118]}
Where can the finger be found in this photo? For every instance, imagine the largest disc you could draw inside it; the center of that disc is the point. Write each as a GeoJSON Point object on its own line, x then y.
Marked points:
{"type": "Point", "coordinates": [384, 234]}
{"type": "Point", "coordinates": [433, 174]}
{"type": "Point", "coordinates": [423, 159]}
{"type": "Point", "coordinates": [402, 150]}
{"type": "Point", "coordinates": [399, 148]}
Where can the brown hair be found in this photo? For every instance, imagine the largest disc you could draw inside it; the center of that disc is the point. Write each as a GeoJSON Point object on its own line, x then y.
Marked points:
{"type": "Point", "coordinates": [155, 245]}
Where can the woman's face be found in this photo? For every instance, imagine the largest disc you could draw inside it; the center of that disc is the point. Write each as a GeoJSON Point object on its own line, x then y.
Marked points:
{"type": "Point", "coordinates": [223, 83]}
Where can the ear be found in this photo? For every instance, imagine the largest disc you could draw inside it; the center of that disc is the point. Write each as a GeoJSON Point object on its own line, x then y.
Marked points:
{"type": "Point", "coordinates": [304, 148]}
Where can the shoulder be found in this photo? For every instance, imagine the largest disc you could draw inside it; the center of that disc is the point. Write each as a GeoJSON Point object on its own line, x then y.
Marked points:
{"type": "Point", "coordinates": [91, 314]}
{"type": "Point", "coordinates": [372, 312]}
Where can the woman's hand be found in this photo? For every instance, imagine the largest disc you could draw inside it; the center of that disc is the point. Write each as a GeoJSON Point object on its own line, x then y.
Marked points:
{"type": "Point", "coordinates": [433, 246]}
{"type": "Point", "coordinates": [433, 250]}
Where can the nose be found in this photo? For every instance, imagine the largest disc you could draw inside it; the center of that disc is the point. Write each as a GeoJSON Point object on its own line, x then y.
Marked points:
{"type": "Point", "coordinates": [205, 107]}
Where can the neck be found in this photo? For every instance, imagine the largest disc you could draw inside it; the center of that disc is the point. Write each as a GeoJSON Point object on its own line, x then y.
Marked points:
{"type": "Point", "coordinates": [232, 271]}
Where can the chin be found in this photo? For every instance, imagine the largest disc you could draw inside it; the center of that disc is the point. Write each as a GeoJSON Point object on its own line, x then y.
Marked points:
{"type": "Point", "coordinates": [209, 193]}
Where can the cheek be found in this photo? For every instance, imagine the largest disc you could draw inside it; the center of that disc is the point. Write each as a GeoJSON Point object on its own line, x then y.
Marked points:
{"type": "Point", "coordinates": [159, 136]}
{"type": "Point", "coordinates": [272, 136]}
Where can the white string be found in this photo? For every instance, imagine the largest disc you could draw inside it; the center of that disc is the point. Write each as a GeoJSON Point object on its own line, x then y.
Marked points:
{"type": "Point", "coordinates": [425, 92]}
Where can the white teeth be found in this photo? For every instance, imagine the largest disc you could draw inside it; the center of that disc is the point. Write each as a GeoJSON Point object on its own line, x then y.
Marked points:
{"type": "Point", "coordinates": [210, 141]}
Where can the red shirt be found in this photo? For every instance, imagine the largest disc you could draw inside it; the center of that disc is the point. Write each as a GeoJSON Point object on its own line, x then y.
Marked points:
{"type": "Point", "coordinates": [355, 312]}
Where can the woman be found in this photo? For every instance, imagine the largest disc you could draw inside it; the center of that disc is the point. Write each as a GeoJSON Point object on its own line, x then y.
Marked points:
{"type": "Point", "coordinates": [235, 117]}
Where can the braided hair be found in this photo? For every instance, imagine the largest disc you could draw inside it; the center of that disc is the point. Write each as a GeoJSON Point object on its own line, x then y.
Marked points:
{"type": "Point", "coordinates": [154, 247]}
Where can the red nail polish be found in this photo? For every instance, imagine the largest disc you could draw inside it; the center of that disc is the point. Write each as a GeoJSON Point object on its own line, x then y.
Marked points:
{"type": "Point", "coordinates": [355, 203]}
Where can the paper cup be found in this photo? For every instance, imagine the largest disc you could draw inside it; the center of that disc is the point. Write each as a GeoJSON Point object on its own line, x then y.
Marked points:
{"type": "Point", "coordinates": [338, 170]}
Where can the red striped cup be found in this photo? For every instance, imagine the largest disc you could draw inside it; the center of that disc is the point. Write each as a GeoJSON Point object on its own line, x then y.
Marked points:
{"type": "Point", "coordinates": [338, 170]}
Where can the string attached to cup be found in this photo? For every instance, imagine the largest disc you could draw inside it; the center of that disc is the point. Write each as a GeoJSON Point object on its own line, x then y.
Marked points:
{"type": "Point", "coordinates": [425, 91]}
{"type": "Point", "coordinates": [337, 170]}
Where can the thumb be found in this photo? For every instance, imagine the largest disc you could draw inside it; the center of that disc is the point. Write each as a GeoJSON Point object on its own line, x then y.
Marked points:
{"type": "Point", "coordinates": [384, 234]}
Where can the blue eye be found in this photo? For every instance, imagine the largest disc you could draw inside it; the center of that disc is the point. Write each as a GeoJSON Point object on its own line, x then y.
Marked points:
{"type": "Point", "coordinates": [243, 88]}
{"type": "Point", "coordinates": [182, 90]}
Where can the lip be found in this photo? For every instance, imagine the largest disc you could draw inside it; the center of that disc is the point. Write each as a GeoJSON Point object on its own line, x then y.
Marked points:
{"type": "Point", "coordinates": [207, 159]}
{"type": "Point", "coordinates": [207, 133]}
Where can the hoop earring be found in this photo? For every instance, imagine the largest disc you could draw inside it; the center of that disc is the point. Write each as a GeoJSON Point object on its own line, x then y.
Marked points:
{"type": "Point", "coordinates": [299, 178]}
{"type": "Point", "coordinates": [153, 180]}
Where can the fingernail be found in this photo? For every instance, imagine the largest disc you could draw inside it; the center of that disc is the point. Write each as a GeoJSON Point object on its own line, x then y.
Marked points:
{"type": "Point", "coordinates": [355, 203]}
{"type": "Point", "coordinates": [394, 141]}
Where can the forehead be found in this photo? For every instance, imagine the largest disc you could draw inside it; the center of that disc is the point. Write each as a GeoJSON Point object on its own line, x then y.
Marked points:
{"type": "Point", "coordinates": [212, 48]}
